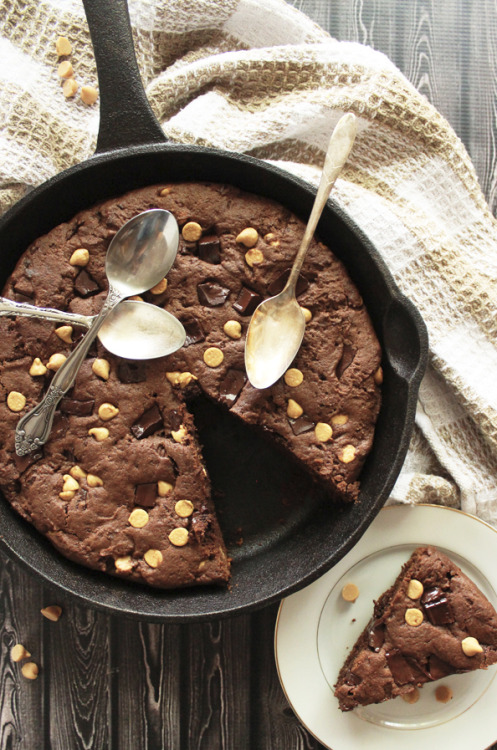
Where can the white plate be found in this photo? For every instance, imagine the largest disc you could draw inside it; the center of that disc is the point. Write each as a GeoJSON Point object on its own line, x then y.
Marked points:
{"type": "Point", "coordinates": [315, 630]}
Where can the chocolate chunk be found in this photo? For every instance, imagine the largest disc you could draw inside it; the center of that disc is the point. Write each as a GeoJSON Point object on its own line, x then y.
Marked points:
{"type": "Point", "coordinates": [403, 669]}
{"type": "Point", "coordinates": [201, 525]}
{"type": "Point", "coordinates": [78, 408]}
{"type": "Point", "coordinates": [437, 668]}
{"type": "Point", "coordinates": [277, 285]}
{"type": "Point", "coordinates": [246, 301]}
{"type": "Point", "coordinates": [132, 372]}
{"type": "Point", "coordinates": [376, 636]}
{"type": "Point", "coordinates": [212, 294]}
{"type": "Point", "coordinates": [439, 611]}
{"type": "Point", "coordinates": [149, 422]}
{"type": "Point", "coordinates": [173, 420]}
{"type": "Point", "coordinates": [301, 425]}
{"type": "Point", "coordinates": [85, 285]}
{"type": "Point", "coordinates": [146, 494]}
{"type": "Point", "coordinates": [431, 595]}
{"type": "Point", "coordinates": [230, 386]}
{"type": "Point", "coordinates": [194, 332]}
{"type": "Point", "coordinates": [348, 354]}
{"type": "Point", "coordinates": [209, 249]}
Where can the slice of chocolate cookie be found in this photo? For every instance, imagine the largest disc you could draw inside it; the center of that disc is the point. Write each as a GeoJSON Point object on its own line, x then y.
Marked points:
{"type": "Point", "coordinates": [433, 622]}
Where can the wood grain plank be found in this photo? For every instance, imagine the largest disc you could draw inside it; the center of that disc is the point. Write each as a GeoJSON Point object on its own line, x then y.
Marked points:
{"type": "Point", "coordinates": [216, 685]}
{"type": "Point", "coordinates": [22, 706]}
{"type": "Point", "coordinates": [146, 667]}
{"type": "Point", "coordinates": [77, 670]}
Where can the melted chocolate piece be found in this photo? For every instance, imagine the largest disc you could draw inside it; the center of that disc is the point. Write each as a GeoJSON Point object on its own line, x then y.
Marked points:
{"type": "Point", "coordinates": [230, 386]}
{"type": "Point", "coordinates": [132, 372]}
{"type": "Point", "coordinates": [211, 294]}
{"type": "Point", "coordinates": [194, 332]}
{"type": "Point", "coordinates": [149, 422]}
{"type": "Point", "coordinates": [172, 420]}
{"type": "Point", "coordinates": [431, 595]}
{"type": "Point", "coordinates": [146, 494]}
{"type": "Point", "coordinates": [346, 360]}
{"type": "Point", "coordinates": [246, 301]}
{"type": "Point", "coordinates": [376, 636]}
{"type": "Point", "coordinates": [276, 286]}
{"type": "Point", "coordinates": [200, 526]}
{"type": "Point", "coordinates": [404, 670]}
{"type": "Point", "coordinates": [437, 668]}
{"type": "Point", "coordinates": [78, 408]}
{"type": "Point", "coordinates": [437, 607]}
{"type": "Point", "coordinates": [85, 285]}
{"type": "Point", "coordinates": [209, 249]}
{"type": "Point", "coordinates": [301, 425]}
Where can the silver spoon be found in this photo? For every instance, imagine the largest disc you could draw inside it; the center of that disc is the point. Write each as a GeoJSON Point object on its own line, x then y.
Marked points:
{"type": "Point", "coordinates": [139, 256]}
{"type": "Point", "coordinates": [277, 326]}
{"type": "Point", "coordinates": [134, 330]}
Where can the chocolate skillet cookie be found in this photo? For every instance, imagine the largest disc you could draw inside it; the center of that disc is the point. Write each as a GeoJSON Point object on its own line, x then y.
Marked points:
{"type": "Point", "coordinates": [120, 485]}
{"type": "Point", "coordinates": [433, 622]}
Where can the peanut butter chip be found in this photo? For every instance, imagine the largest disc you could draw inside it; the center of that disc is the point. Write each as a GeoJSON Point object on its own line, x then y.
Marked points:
{"type": "Point", "coordinates": [63, 46]}
{"type": "Point", "coordinates": [347, 455]}
{"type": "Point", "coordinates": [184, 508]}
{"type": "Point", "coordinates": [65, 69]}
{"type": "Point", "coordinates": [254, 257]}
{"type": "Point", "coordinates": [30, 670]}
{"type": "Point", "coordinates": [180, 435]}
{"type": "Point", "coordinates": [138, 518]}
{"type": "Point", "coordinates": [378, 376]}
{"type": "Point", "coordinates": [443, 694]}
{"type": "Point", "coordinates": [414, 617]}
{"type": "Point", "coordinates": [71, 484]}
{"type": "Point", "coordinates": [67, 494]}
{"type": "Point", "coordinates": [53, 612]}
{"type": "Point", "coordinates": [80, 257]}
{"type": "Point", "coordinates": [350, 592]}
{"type": "Point", "coordinates": [89, 95]}
{"type": "Point", "coordinates": [323, 432]}
{"type": "Point", "coordinates": [307, 314]}
{"type": "Point", "coordinates": [248, 237]}
{"type": "Point", "coordinates": [213, 356]}
{"type": "Point", "coordinates": [56, 361]}
{"type": "Point", "coordinates": [101, 368]}
{"type": "Point", "coordinates": [153, 557]}
{"type": "Point", "coordinates": [165, 191]}
{"type": "Point", "coordinates": [77, 472]}
{"type": "Point", "coordinates": [192, 231]}
{"type": "Point", "coordinates": [65, 333]}
{"type": "Point", "coordinates": [186, 378]}
{"type": "Point", "coordinates": [415, 589]}
{"type": "Point", "coordinates": [294, 410]}
{"type": "Point", "coordinates": [124, 564]}
{"type": "Point", "coordinates": [164, 488]}
{"type": "Point", "coordinates": [107, 411]}
{"type": "Point", "coordinates": [99, 433]}
{"type": "Point", "coordinates": [412, 696]}
{"type": "Point", "coordinates": [93, 481]}
{"type": "Point", "coordinates": [293, 377]}
{"type": "Point", "coordinates": [18, 652]}
{"type": "Point", "coordinates": [16, 401]}
{"type": "Point", "coordinates": [233, 329]}
{"type": "Point", "coordinates": [37, 368]}
{"type": "Point", "coordinates": [179, 537]}
{"type": "Point", "coordinates": [471, 646]}
{"type": "Point", "coordinates": [69, 88]}
{"type": "Point", "coordinates": [159, 288]}
{"type": "Point", "coordinates": [339, 419]}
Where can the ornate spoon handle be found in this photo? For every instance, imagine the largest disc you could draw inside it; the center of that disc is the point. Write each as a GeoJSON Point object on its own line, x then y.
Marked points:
{"type": "Point", "coordinates": [9, 307]}
{"type": "Point", "coordinates": [34, 427]}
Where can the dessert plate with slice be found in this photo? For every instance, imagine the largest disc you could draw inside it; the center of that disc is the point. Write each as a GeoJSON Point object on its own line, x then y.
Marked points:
{"type": "Point", "coordinates": [316, 630]}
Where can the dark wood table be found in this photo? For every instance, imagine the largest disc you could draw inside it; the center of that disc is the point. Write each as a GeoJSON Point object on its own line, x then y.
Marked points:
{"type": "Point", "coordinates": [106, 682]}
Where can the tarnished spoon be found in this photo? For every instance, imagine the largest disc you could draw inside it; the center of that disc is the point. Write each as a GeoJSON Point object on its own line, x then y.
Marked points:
{"type": "Point", "coordinates": [134, 330]}
{"type": "Point", "coordinates": [277, 326]}
{"type": "Point", "coordinates": [139, 256]}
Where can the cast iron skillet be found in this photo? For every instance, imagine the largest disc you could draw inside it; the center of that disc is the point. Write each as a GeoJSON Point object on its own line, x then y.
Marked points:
{"type": "Point", "coordinates": [291, 532]}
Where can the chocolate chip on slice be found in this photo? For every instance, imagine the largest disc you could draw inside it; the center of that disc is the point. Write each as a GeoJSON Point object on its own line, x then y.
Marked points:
{"type": "Point", "coordinates": [301, 425]}
{"type": "Point", "coordinates": [437, 607]}
{"type": "Point", "coordinates": [230, 386]}
{"type": "Point", "coordinates": [146, 494]}
{"type": "Point", "coordinates": [246, 301]}
{"type": "Point", "coordinates": [404, 670]}
{"type": "Point", "coordinates": [85, 285]}
{"type": "Point", "coordinates": [149, 422]}
{"type": "Point", "coordinates": [212, 294]}
{"type": "Point", "coordinates": [209, 249]}
{"type": "Point", "coordinates": [201, 525]}
{"type": "Point", "coordinates": [276, 285]}
{"type": "Point", "coordinates": [348, 354]}
{"type": "Point", "coordinates": [132, 372]}
{"type": "Point", "coordinates": [194, 332]}
{"type": "Point", "coordinates": [376, 636]}
{"type": "Point", "coordinates": [77, 408]}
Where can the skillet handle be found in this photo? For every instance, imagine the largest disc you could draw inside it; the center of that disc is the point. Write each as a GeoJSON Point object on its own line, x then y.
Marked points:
{"type": "Point", "coordinates": [126, 118]}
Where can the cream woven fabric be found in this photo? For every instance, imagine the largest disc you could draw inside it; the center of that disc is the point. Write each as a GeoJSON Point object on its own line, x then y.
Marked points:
{"type": "Point", "coordinates": [257, 76]}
